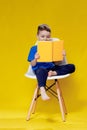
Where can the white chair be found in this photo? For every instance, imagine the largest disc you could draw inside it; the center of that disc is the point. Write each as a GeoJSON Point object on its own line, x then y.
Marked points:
{"type": "Point", "coordinates": [57, 94]}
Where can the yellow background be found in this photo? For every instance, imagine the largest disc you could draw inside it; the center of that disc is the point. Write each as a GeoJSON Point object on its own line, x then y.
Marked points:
{"type": "Point", "coordinates": [18, 26]}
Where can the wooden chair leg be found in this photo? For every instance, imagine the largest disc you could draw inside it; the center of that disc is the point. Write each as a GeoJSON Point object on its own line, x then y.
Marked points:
{"type": "Point", "coordinates": [34, 106]}
{"type": "Point", "coordinates": [61, 101]}
{"type": "Point", "coordinates": [65, 110]}
{"type": "Point", "coordinates": [33, 103]}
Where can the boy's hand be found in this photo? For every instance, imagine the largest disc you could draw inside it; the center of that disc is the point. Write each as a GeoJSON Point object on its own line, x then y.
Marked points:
{"type": "Point", "coordinates": [37, 56]}
{"type": "Point", "coordinates": [64, 52]}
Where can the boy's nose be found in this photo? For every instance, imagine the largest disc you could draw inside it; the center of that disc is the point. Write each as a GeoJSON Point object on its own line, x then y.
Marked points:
{"type": "Point", "coordinates": [45, 39]}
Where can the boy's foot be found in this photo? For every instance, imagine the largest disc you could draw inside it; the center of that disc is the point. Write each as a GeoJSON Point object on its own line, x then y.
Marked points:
{"type": "Point", "coordinates": [44, 96]}
{"type": "Point", "coordinates": [52, 73]}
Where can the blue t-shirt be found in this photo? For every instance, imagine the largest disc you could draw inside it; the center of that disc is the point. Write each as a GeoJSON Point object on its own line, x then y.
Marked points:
{"type": "Point", "coordinates": [46, 65]}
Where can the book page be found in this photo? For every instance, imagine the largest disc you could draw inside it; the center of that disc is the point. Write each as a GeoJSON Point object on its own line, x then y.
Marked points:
{"type": "Point", "coordinates": [44, 49]}
{"type": "Point", "coordinates": [58, 50]}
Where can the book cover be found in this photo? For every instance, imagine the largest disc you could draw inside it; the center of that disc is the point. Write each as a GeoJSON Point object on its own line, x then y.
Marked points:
{"type": "Point", "coordinates": [50, 51]}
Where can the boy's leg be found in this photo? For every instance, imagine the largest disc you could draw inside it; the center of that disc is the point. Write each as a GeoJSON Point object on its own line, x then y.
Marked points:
{"type": "Point", "coordinates": [64, 69]}
{"type": "Point", "coordinates": [44, 96]}
{"type": "Point", "coordinates": [41, 75]}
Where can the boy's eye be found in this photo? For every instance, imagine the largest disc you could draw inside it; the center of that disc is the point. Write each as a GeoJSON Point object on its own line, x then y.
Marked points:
{"type": "Point", "coordinates": [42, 36]}
{"type": "Point", "coordinates": [48, 36]}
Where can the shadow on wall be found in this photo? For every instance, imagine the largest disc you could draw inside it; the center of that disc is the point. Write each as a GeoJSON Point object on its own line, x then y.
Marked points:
{"type": "Point", "coordinates": [70, 91]}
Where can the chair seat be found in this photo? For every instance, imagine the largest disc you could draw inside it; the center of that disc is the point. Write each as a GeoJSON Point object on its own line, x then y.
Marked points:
{"type": "Point", "coordinates": [33, 76]}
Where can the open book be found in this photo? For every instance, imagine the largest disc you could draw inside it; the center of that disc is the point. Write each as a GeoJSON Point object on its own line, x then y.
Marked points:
{"type": "Point", "coordinates": [50, 51]}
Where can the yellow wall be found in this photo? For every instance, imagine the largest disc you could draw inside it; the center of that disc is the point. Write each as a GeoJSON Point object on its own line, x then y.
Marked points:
{"type": "Point", "coordinates": [18, 25]}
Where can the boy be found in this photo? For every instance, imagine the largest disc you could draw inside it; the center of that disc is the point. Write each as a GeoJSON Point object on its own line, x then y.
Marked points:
{"type": "Point", "coordinates": [44, 69]}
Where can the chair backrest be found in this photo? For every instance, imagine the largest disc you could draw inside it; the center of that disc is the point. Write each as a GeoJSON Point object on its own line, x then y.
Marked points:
{"type": "Point", "coordinates": [30, 73]}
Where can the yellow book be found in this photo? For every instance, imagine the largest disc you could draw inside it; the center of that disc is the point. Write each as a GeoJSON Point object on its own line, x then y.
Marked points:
{"type": "Point", "coordinates": [50, 51]}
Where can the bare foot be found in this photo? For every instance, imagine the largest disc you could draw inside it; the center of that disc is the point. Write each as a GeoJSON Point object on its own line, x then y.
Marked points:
{"type": "Point", "coordinates": [52, 73]}
{"type": "Point", "coordinates": [44, 96]}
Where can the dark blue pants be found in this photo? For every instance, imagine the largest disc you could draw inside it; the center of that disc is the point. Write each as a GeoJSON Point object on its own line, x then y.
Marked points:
{"type": "Point", "coordinates": [42, 73]}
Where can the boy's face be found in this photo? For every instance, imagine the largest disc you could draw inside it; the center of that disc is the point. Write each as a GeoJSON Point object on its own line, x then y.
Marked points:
{"type": "Point", "coordinates": [44, 35]}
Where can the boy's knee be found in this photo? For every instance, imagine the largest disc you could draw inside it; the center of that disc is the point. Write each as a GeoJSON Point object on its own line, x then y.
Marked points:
{"type": "Point", "coordinates": [72, 67]}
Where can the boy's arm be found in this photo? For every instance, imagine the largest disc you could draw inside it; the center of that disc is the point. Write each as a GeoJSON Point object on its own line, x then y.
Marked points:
{"type": "Point", "coordinates": [33, 56]}
{"type": "Point", "coordinates": [33, 62]}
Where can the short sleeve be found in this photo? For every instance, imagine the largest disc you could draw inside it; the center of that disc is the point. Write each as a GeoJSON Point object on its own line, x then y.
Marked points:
{"type": "Point", "coordinates": [31, 54]}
